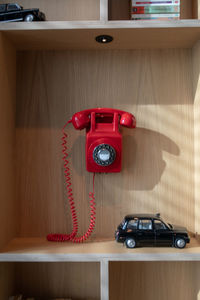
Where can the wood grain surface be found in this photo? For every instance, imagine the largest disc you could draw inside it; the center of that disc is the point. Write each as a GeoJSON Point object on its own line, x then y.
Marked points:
{"type": "Point", "coordinates": [196, 95]}
{"type": "Point", "coordinates": [119, 9]}
{"type": "Point", "coordinates": [8, 210]}
{"type": "Point", "coordinates": [158, 156]}
{"type": "Point", "coordinates": [58, 280]}
{"type": "Point", "coordinates": [7, 279]}
{"type": "Point", "coordinates": [77, 35]}
{"type": "Point", "coordinates": [189, 9]}
{"type": "Point", "coordinates": [64, 10]}
{"type": "Point", "coordinates": [154, 280]}
{"type": "Point", "coordinates": [39, 249]}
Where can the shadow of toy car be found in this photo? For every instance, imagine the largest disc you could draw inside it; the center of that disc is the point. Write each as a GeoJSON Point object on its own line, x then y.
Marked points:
{"type": "Point", "coordinates": [150, 230]}
{"type": "Point", "coordinates": [13, 12]}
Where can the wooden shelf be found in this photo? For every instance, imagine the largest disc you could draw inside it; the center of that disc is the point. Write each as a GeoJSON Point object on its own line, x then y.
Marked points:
{"type": "Point", "coordinates": [38, 249]}
{"type": "Point", "coordinates": [40, 91]}
{"type": "Point", "coordinates": [81, 35]}
{"type": "Point", "coordinates": [55, 25]}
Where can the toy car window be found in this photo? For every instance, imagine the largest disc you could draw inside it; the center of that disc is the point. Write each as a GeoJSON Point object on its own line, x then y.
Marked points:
{"type": "Point", "coordinates": [2, 7]}
{"type": "Point", "coordinates": [123, 224]}
{"type": "Point", "coordinates": [12, 7]}
{"type": "Point", "coordinates": [145, 224]}
{"type": "Point", "coordinates": [159, 225]}
{"type": "Point", "coordinates": [132, 224]}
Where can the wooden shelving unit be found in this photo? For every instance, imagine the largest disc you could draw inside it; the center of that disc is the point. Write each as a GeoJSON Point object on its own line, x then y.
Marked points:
{"type": "Point", "coordinates": [52, 69]}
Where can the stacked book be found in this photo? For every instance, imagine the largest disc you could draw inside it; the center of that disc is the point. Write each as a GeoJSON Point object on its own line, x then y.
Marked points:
{"type": "Point", "coordinates": [155, 9]}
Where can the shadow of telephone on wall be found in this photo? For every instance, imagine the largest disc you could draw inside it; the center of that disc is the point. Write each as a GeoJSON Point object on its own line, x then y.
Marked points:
{"type": "Point", "coordinates": [142, 157]}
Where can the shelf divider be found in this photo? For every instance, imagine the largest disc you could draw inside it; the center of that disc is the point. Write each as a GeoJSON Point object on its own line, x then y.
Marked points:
{"type": "Point", "coordinates": [104, 279]}
{"type": "Point", "coordinates": [104, 10]}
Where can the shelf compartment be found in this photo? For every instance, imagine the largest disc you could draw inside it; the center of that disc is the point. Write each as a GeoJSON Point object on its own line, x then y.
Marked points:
{"type": "Point", "coordinates": [159, 86]}
{"type": "Point", "coordinates": [154, 280]}
{"type": "Point", "coordinates": [51, 86]}
{"type": "Point", "coordinates": [64, 10]}
{"type": "Point", "coordinates": [77, 280]}
{"type": "Point", "coordinates": [120, 9]}
{"type": "Point", "coordinates": [81, 35]}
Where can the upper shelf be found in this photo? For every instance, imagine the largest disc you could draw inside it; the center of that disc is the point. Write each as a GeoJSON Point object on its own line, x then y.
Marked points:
{"type": "Point", "coordinates": [81, 35]}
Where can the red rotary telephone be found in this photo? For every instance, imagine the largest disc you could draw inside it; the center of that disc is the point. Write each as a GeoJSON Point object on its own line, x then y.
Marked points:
{"type": "Point", "coordinates": [103, 154]}
{"type": "Point", "coordinates": [103, 139]}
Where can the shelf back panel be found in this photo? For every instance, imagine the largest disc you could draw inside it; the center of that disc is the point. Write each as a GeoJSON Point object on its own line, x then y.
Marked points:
{"type": "Point", "coordinates": [158, 156]}
{"type": "Point", "coordinates": [7, 285]}
{"type": "Point", "coordinates": [58, 280]}
{"type": "Point", "coordinates": [154, 280]}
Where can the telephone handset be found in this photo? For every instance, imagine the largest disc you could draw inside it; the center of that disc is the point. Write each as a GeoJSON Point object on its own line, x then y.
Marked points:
{"type": "Point", "coordinates": [103, 154]}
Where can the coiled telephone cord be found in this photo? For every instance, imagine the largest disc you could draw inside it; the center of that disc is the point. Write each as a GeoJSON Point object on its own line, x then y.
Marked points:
{"type": "Point", "coordinates": [72, 236]}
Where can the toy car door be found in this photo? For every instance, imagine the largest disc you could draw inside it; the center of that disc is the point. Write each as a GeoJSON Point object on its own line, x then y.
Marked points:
{"type": "Point", "coordinates": [145, 233]}
{"type": "Point", "coordinates": [163, 234]}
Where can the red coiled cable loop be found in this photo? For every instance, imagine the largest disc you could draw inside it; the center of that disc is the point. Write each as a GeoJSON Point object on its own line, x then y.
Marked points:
{"type": "Point", "coordinates": [72, 236]}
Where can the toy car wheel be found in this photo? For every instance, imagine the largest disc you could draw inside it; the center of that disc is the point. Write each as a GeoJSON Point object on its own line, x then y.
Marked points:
{"type": "Point", "coordinates": [29, 18]}
{"type": "Point", "coordinates": [180, 243]}
{"type": "Point", "coordinates": [130, 243]}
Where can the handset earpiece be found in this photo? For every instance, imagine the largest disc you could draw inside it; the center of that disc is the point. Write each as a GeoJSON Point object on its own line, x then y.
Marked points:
{"type": "Point", "coordinates": [80, 120]}
{"type": "Point", "coordinates": [128, 120]}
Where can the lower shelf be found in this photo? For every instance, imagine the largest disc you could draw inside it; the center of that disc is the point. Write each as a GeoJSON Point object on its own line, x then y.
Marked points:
{"type": "Point", "coordinates": [50, 280]}
{"type": "Point", "coordinates": [39, 249]}
{"type": "Point", "coordinates": [154, 280]}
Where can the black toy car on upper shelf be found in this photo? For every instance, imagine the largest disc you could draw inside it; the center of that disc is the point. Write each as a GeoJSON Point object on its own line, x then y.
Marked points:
{"type": "Point", "coordinates": [146, 229]}
{"type": "Point", "coordinates": [13, 12]}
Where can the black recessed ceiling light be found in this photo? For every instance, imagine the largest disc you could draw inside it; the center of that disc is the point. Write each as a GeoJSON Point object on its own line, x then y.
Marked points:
{"type": "Point", "coordinates": [104, 39]}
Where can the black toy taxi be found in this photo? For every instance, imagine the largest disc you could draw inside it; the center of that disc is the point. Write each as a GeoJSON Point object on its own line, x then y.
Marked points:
{"type": "Point", "coordinates": [146, 229]}
{"type": "Point", "coordinates": [13, 12]}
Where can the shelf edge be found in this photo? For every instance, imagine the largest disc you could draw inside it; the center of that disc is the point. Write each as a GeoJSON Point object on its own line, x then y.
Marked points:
{"type": "Point", "coordinates": [63, 25]}
{"type": "Point", "coordinates": [99, 257]}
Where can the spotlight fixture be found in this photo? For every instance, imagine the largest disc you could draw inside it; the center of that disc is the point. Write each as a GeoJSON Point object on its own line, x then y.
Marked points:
{"type": "Point", "coordinates": [104, 39]}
